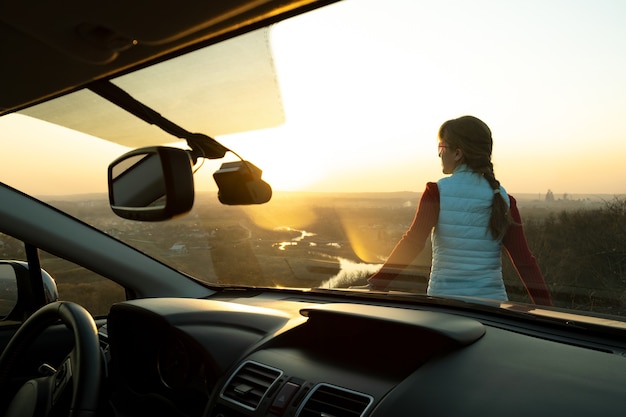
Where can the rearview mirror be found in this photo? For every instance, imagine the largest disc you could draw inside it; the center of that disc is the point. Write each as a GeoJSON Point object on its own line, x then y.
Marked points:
{"type": "Point", "coordinates": [151, 184]}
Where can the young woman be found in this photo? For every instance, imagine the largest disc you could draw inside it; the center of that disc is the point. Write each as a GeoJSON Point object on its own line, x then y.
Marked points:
{"type": "Point", "coordinates": [471, 217]}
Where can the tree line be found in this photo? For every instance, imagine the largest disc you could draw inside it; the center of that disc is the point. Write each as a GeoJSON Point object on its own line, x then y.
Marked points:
{"type": "Point", "coordinates": [582, 254]}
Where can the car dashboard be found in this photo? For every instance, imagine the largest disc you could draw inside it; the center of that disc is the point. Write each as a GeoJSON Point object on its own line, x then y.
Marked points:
{"type": "Point", "coordinates": [297, 355]}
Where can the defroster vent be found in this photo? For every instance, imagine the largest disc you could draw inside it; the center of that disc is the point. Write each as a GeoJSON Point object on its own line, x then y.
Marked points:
{"type": "Point", "coordinates": [250, 384]}
{"type": "Point", "coordinates": [329, 400]}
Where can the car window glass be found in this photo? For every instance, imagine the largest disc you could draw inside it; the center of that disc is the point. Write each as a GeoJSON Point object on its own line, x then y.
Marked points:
{"type": "Point", "coordinates": [364, 89]}
{"type": "Point", "coordinates": [82, 286]}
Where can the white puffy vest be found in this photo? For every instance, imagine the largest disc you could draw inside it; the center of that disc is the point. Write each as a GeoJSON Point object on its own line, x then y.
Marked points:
{"type": "Point", "coordinates": [466, 258]}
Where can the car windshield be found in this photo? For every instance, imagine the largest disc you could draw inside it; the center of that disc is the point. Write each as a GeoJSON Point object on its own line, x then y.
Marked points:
{"type": "Point", "coordinates": [341, 109]}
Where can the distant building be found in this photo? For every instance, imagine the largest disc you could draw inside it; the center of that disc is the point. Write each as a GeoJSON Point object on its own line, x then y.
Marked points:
{"type": "Point", "coordinates": [179, 249]}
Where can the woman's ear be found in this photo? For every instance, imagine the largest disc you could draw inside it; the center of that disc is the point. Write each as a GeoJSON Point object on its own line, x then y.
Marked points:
{"type": "Point", "coordinates": [458, 154]}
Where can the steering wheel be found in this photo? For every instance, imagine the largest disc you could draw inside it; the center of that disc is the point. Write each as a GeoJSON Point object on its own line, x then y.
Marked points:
{"type": "Point", "coordinates": [82, 367]}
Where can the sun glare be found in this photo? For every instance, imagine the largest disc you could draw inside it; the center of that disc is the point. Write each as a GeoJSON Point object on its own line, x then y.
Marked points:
{"type": "Point", "coordinates": [288, 163]}
{"type": "Point", "coordinates": [290, 176]}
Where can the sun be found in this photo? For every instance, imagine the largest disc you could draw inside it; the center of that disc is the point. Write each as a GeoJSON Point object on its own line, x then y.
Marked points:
{"type": "Point", "coordinates": [286, 161]}
{"type": "Point", "coordinates": [288, 175]}
{"type": "Point", "coordinates": [280, 168]}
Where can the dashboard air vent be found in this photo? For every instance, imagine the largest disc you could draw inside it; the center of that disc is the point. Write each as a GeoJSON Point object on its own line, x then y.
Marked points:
{"type": "Point", "coordinates": [329, 400]}
{"type": "Point", "coordinates": [249, 384]}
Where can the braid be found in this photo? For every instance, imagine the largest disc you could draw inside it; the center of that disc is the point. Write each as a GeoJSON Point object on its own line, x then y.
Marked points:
{"type": "Point", "coordinates": [500, 219]}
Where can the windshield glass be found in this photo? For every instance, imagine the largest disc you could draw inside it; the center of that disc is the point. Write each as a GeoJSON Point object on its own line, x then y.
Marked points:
{"type": "Point", "coordinates": [341, 109]}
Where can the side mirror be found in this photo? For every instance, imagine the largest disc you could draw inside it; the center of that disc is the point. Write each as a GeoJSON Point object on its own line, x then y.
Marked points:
{"type": "Point", "coordinates": [151, 184]}
{"type": "Point", "coordinates": [16, 290]}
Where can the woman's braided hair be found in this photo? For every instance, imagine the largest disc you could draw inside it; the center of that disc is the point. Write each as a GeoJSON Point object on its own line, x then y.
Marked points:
{"type": "Point", "coordinates": [473, 137]}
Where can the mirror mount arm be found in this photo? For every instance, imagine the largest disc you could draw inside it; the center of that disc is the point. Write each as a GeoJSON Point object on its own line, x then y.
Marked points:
{"type": "Point", "coordinates": [202, 145]}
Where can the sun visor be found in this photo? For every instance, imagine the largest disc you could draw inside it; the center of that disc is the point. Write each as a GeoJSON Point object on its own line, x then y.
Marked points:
{"type": "Point", "coordinates": [230, 87]}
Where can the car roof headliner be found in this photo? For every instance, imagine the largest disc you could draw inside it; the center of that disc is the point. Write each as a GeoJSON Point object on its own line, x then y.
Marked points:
{"type": "Point", "coordinates": [53, 48]}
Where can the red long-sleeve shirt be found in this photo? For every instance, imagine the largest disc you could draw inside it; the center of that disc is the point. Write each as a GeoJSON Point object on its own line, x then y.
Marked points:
{"type": "Point", "coordinates": [413, 241]}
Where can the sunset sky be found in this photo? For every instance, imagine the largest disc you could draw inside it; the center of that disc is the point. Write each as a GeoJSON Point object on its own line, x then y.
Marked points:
{"type": "Point", "coordinates": [365, 83]}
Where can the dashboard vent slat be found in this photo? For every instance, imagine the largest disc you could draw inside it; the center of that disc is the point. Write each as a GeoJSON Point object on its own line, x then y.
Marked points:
{"type": "Point", "coordinates": [249, 384]}
{"type": "Point", "coordinates": [332, 401]}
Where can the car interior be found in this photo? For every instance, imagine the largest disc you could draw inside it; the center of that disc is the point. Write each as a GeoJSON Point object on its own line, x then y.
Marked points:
{"type": "Point", "coordinates": [178, 345]}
